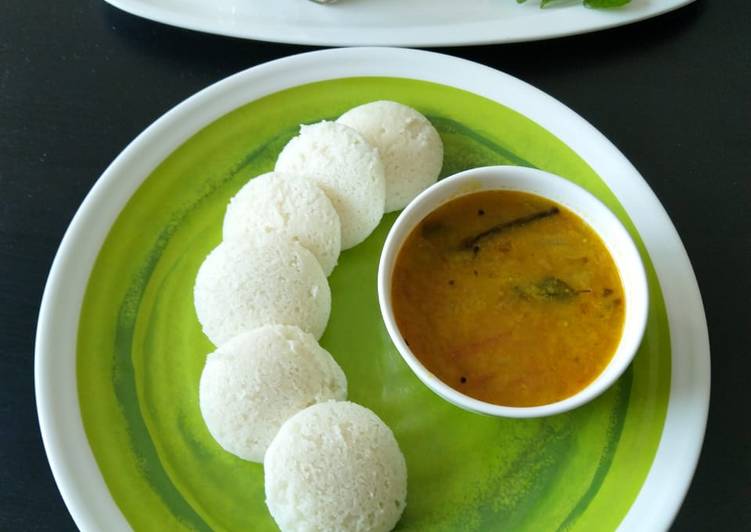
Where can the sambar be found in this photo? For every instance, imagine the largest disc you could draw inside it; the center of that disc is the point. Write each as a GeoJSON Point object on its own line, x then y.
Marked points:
{"type": "Point", "coordinates": [509, 298]}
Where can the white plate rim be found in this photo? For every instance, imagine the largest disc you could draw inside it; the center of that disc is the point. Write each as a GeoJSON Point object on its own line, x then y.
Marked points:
{"type": "Point", "coordinates": [72, 462]}
{"type": "Point", "coordinates": [548, 23]}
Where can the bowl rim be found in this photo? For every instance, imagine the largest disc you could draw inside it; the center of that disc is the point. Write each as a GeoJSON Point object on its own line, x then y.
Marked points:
{"type": "Point", "coordinates": [507, 177]}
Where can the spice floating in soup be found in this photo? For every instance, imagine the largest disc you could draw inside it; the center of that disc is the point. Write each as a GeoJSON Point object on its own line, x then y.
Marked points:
{"type": "Point", "coordinates": [509, 298]}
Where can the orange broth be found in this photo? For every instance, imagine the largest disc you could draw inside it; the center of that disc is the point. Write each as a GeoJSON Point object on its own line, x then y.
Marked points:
{"type": "Point", "coordinates": [509, 298]}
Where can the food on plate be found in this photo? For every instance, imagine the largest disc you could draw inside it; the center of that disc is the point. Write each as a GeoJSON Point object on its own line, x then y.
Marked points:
{"type": "Point", "coordinates": [254, 382]}
{"type": "Point", "coordinates": [509, 298]}
{"type": "Point", "coordinates": [602, 4]}
{"type": "Point", "coordinates": [409, 146]}
{"type": "Point", "coordinates": [347, 168]}
{"type": "Point", "coordinates": [335, 466]}
{"type": "Point", "coordinates": [286, 206]}
{"type": "Point", "coordinates": [269, 392]}
{"type": "Point", "coordinates": [243, 285]}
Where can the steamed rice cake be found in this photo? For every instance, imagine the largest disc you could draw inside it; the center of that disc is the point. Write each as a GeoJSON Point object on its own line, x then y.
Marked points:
{"type": "Point", "coordinates": [409, 146]}
{"type": "Point", "coordinates": [286, 206]}
{"type": "Point", "coordinates": [243, 285]}
{"type": "Point", "coordinates": [335, 466]}
{"type": "Point", "coordinates": [348, 169]}
{"type": "Point", "coordinates": [253, 383]}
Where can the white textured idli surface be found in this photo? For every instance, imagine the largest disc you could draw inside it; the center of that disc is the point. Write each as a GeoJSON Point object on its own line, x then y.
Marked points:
{"type": "Point", "coordinates": [348, 169]}
{"type": "Point", "coordinates": [256, 381]}
{"type": "Point", "coordinates": [335, 467]}
{"type": "Point", "coordinates": [286, 206]}
{"type": "Point", "coordinates": [410, 147]}
{"type": "Point", "coordinates": [241, 286]}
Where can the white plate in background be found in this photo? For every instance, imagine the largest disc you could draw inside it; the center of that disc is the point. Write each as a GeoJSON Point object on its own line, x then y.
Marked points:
{"type": "Point", "coordinates": [392, 22]}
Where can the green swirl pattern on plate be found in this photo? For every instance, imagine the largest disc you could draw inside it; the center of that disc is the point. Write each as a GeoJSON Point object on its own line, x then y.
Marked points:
{"type": "Point", "coordinates": [141, 349]}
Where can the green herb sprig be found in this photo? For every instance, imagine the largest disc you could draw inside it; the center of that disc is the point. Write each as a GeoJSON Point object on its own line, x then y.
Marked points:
{"type": "Point", "coordinates": [596, 4]}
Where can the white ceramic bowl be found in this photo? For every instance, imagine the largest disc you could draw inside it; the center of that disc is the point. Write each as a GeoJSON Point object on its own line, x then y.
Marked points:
{"type": "Point", "coordinates": [563, 192]}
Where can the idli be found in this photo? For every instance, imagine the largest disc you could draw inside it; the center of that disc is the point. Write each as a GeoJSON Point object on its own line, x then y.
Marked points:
{"type": "Point", "coordinates": [409, 146]}
{"type": "Point", "coordinates": [348, 169]}
{"type": "Point", "coordinates": [288, 207]}
{"type": "Point", "coordinates": [335, 466]}
{"type": "Point", "coordinates": [243, 285]}
{"type": "Point", "coordinates": [256, 381]}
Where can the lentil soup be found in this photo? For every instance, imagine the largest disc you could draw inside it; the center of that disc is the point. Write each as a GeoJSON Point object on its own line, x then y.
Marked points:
{"type": "Point", "coordinates": [509, 298]}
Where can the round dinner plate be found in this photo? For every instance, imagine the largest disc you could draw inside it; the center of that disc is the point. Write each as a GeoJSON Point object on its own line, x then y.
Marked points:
{"type": "Point", "coordinates": [119, 350]}
{"type": "Point", "coordinates": [392, 22]}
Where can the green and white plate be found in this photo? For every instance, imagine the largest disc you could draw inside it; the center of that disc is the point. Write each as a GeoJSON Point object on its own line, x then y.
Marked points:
{"type": "Point", "coordinates": [119, 349]}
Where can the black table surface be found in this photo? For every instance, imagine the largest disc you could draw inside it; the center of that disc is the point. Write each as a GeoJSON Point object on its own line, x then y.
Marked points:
{"type": "Point", "coordinates": [80, 79]}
